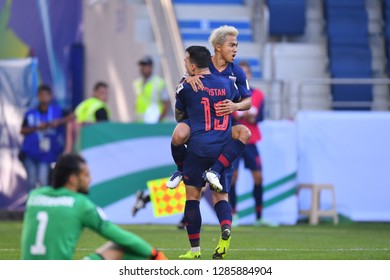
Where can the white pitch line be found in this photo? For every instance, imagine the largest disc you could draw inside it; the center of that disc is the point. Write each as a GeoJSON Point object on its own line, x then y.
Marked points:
{"type": "Point", "coordinates": [252, 249]}
{"type": "Point", "coordinates": [291, 250]}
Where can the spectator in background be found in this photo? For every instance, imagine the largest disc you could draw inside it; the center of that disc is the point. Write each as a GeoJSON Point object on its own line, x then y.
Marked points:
{"type": "Point", "coordinates": [251, 155]}
{"type": "Point", "coordinates": [91, 110]}
{"type": "Point", "coordinates": [94, 108]}
{"type": "Point", "coordinates": [152, 102]}
{"type": "Point", "coordinates": [43, 129]}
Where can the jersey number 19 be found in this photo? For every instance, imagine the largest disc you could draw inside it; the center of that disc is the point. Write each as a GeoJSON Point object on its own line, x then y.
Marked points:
{"type": "Point", "coordinates": [207, 117]}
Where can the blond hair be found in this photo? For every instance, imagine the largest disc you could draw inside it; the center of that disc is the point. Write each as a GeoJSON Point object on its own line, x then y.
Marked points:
{"type": "Point", "coordinates": [218, 36]}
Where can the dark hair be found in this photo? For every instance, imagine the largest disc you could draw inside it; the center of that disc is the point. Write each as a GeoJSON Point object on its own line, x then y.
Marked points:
{"type": "Point", "coordinates": [245, 64]}
{"type": "Point", "coordinates": [66, 165]}
{"type": "Point", "coordinates": [99, 85]}
{"type": "Point", "coordinates": [44, 87]}
{"type": "Point", "coordinates": [199, 55]}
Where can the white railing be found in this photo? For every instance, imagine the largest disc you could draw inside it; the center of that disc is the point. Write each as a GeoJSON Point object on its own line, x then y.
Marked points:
{"type": "Point", "coordinates": [345, 81]}
{"type": "Point", "coordinates": [275, 97]}
{"type": "Point", "coordinates": [285, 98]}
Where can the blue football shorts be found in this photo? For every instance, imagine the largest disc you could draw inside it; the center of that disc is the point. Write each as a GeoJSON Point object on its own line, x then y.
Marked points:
{"type": "Point", "coordinates": [194, 167]}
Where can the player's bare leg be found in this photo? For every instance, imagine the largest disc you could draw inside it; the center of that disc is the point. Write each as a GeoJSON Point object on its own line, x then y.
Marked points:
{"type": "Point", "coordinates": [241, 132]}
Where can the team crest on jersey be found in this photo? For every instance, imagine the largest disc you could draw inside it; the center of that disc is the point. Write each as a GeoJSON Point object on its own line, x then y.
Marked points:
{"type": "Point", "coordinates": [233, 78]}
{"type": "Point", "coordinates": [179, 87]}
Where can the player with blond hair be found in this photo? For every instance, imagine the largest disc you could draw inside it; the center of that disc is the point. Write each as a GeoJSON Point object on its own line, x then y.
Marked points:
{"type": "Point", "coordinates": [224, 42]}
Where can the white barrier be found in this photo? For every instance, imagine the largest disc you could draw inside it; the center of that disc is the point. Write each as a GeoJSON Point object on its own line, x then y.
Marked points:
{"type": "Point", "coordinates": [123, 157]}
{"type": "Point", "coordinates": [347, 149]}
{"type": "Point", "coordinates": [351, 151]}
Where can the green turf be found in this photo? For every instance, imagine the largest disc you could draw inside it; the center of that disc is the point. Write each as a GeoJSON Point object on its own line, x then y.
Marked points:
{"type": "Point", "coordinates": [353, 241]}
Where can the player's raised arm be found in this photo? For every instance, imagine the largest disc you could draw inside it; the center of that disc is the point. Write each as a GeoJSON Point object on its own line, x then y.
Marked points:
{"type": "Point", "coordinates": [245, 104]}
{"type": "Point", "coordinates": [195, 82]}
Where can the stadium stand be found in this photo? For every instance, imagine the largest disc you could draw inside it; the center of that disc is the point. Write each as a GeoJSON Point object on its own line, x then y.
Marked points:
{"type": "Point", "coordinates": [287, 17]}
{"type": "Point", "coordinates": [349, 52]}
{"type": "Point", "coordinates": [197, 19]}
{"type": "Point", "coordinates": [307, 39]}
{"type": "Point", "coordinates": [386, 17]}
{"type": "Point", "coordinates": [210, 2]}
{"type": "Point", "coordinates": [291, 57]}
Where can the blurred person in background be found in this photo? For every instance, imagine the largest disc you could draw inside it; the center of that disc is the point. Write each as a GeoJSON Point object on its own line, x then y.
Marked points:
{"type": "Point", "coordinates": [251, 154]}
{"type": "Point", "coordinates": [44, 131]}
{"type": "Point", "coordinates": [92, 110]}
{"type": "Point", "coordinates": [152, 102]}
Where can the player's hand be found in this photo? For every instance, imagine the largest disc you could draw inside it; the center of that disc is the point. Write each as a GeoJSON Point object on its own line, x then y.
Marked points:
{"type": "Point", "coordinates": [195, 82]}
{"type": "Point", "coordinates": [54, 123]}
{"type": "Point", "coordinates": [225, 107]}
{"type": "Point", "coordinates": [43, 126]}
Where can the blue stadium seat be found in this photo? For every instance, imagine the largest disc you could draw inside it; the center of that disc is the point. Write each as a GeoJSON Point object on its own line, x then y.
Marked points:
{"type": "Point", "coordinates": [355, 93]}
{"type": "Point", "coordinates": [211, 2]}
{"type": "Point", "coordinates": [386, 15]}
{"type": "Point", "coordinates": [287, 17]}
{"type": "Point", "coordinates": [342, 4]}
{"type": "Point", "coordinates": [347, 24]}
{"type": "Point", "coordinates": [205, 37]}
{"type": "Point", "coordinates": [350, 62]}
{"type": "Point", "coordinates": [196, 30]}
{"type": "Point", "coordinates": [349, 49]}
{"type": "Point", "coordinates": [211, 24]}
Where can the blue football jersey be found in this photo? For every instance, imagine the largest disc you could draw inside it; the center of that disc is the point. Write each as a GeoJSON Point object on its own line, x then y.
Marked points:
{"type": "Point", "coordinates": [209, 132]}
{"type": "Point", "coordinates": [235, 73]}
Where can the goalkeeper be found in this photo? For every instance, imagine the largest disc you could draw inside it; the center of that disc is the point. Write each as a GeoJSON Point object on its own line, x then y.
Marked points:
{"type": "Point", "coordinates": [56, 215]}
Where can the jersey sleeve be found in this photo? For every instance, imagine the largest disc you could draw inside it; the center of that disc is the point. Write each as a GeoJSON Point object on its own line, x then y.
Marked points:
{"type": "Point", "coordinates": [242, 83]}
{"type": "Point", "coordinates": [235, 93]}
{"type": "Point", "coordinates": [180, 97]}
{"type": "Point", "coordinates": [94, 218]}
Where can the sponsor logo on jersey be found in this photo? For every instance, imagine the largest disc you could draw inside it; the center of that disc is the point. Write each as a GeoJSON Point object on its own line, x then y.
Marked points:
{"type": "Point", "coordinates": [47, 201]}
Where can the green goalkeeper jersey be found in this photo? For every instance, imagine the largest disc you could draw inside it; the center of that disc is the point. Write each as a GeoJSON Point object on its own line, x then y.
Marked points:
{"type": "Point", "coordinates": [55, 218]}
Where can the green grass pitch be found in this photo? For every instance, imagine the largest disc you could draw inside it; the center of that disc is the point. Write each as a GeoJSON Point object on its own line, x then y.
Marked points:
{"type": "Point", "coordinates": [351, 241]}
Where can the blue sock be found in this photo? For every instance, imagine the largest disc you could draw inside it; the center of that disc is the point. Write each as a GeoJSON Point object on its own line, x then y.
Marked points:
{"type": "Point", "coordinates": [178, 154]}
{"type": "Point", "coordinates": [233, 197]}
{"type": "Point", "coordinates": [224, 214]}
{"type": "Point", "coordinates": [258, 195]}
{"type": "Point", "coordinates": [193, 222]}
{"type": "Point", "coordinates": [229, 153]}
